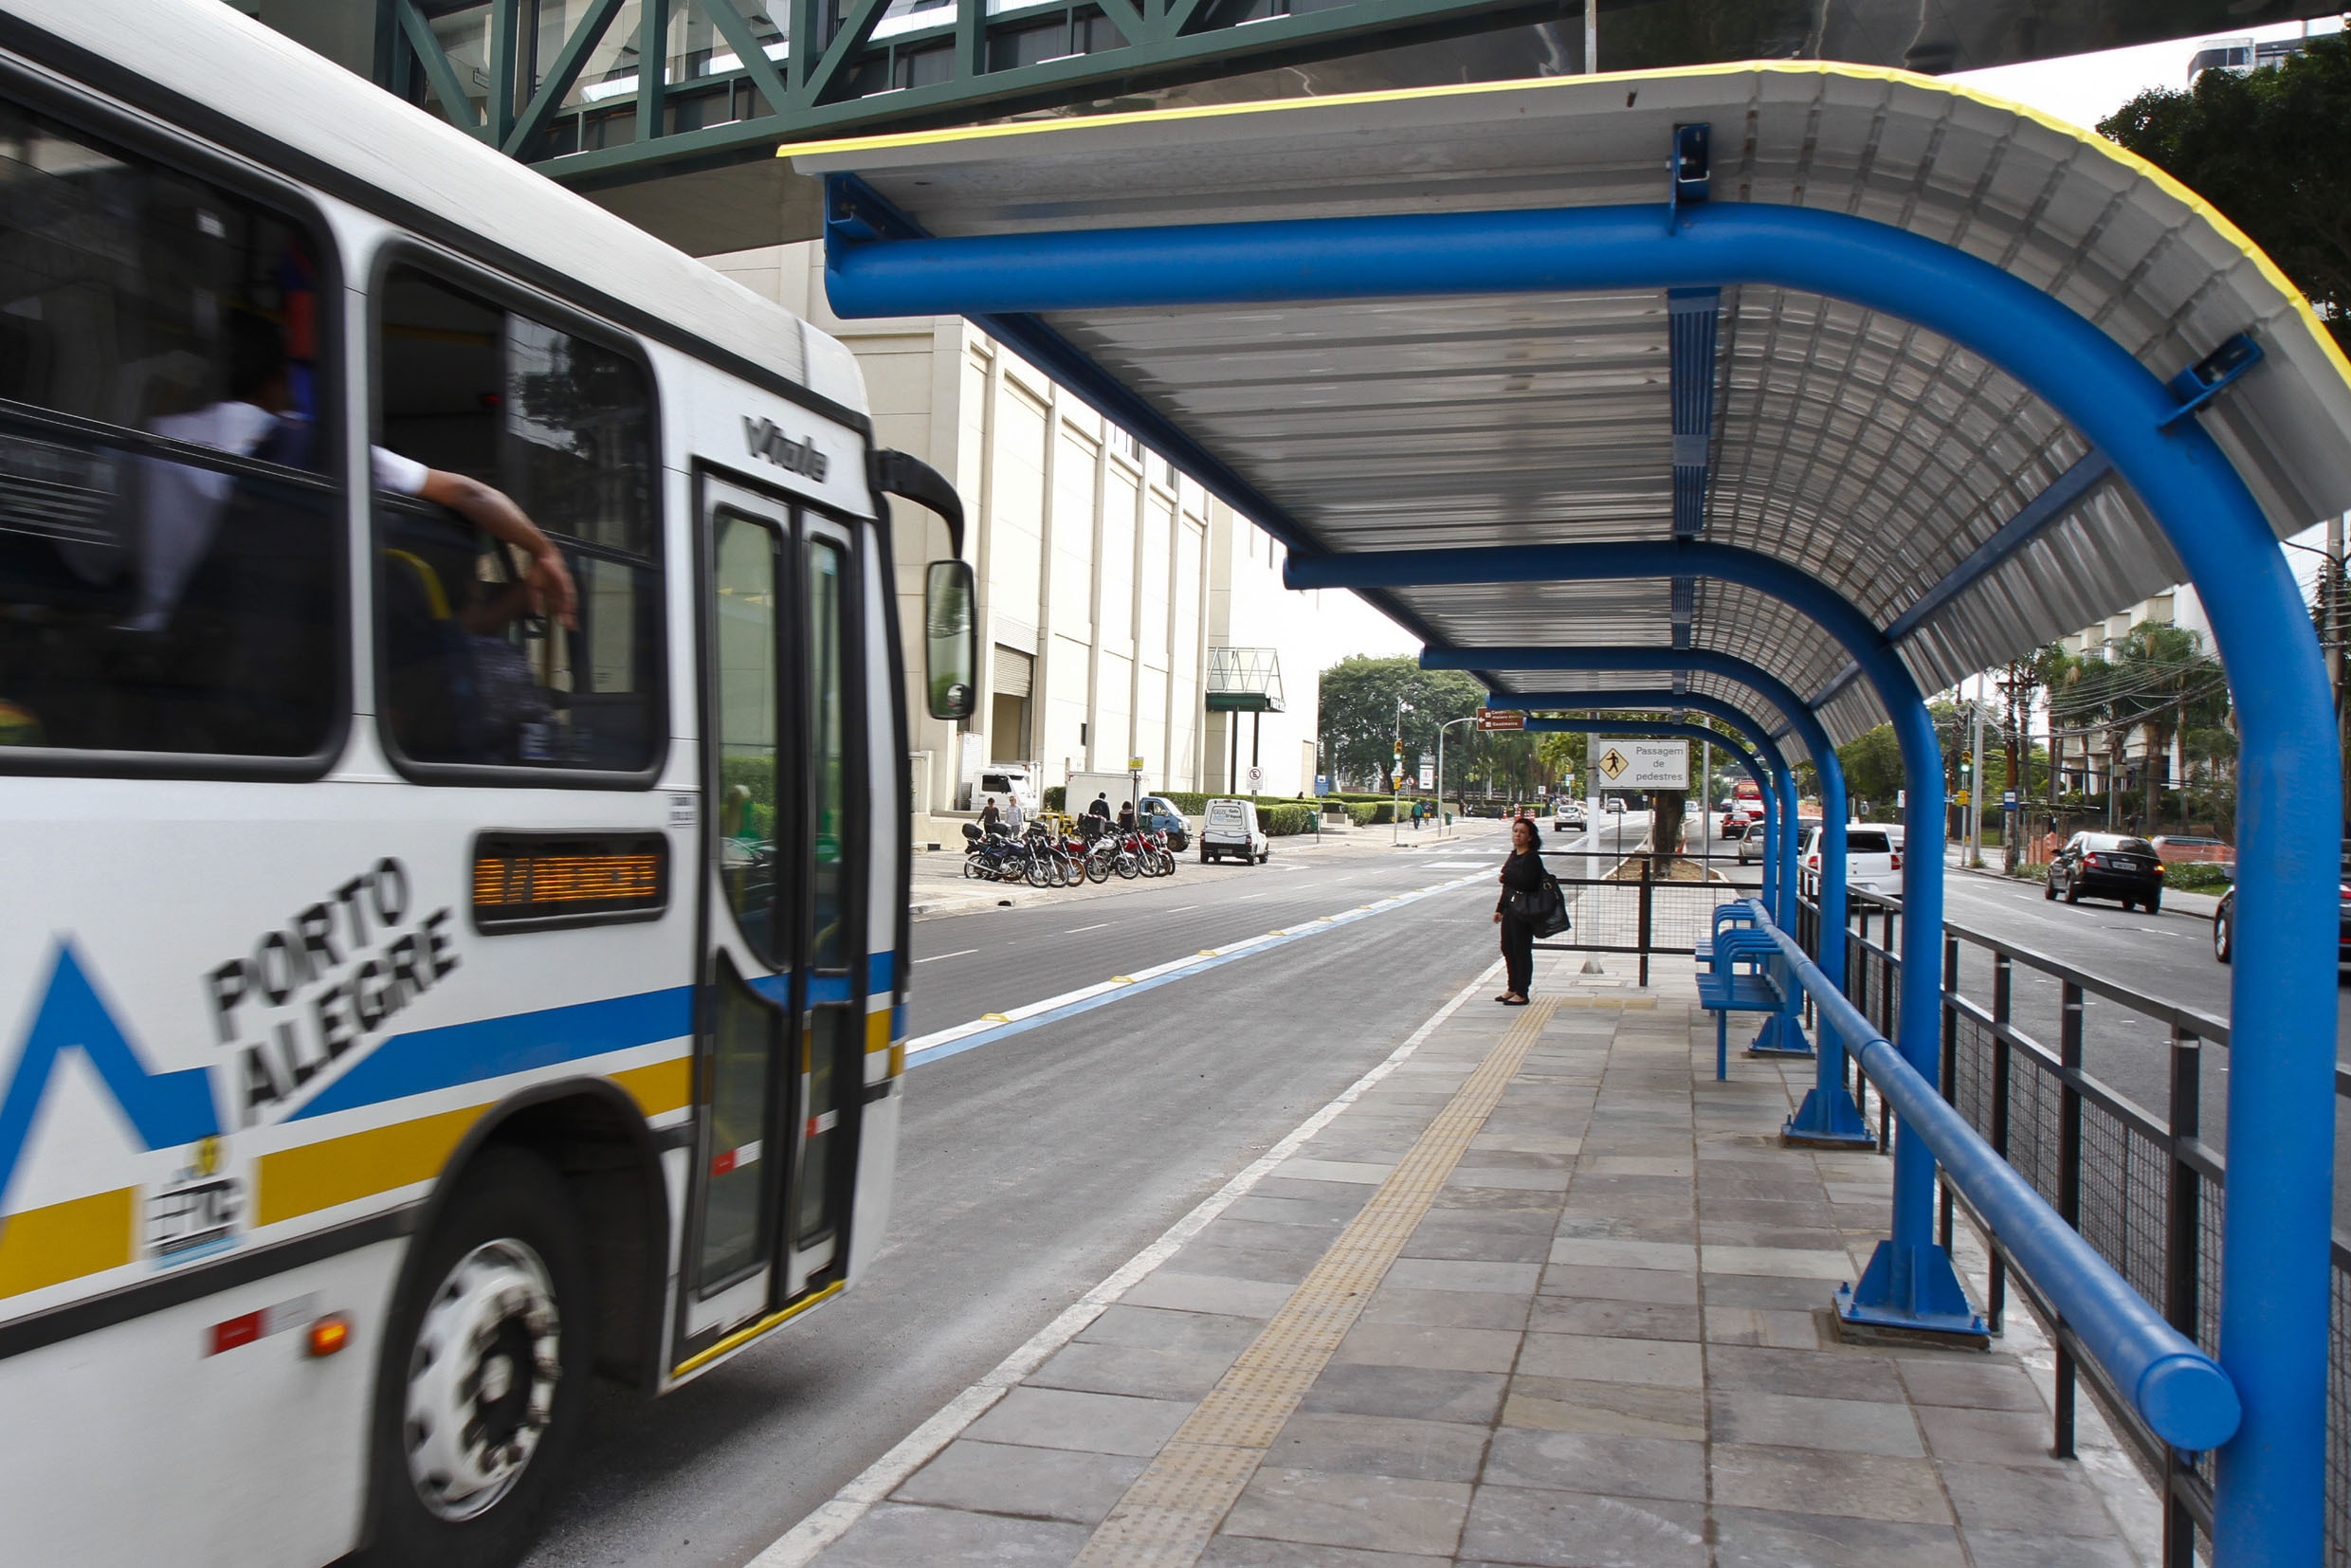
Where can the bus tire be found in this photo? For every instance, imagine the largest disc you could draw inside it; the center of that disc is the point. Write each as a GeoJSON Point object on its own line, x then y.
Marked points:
{"type": "Point", "coordinates": [495, 1323]}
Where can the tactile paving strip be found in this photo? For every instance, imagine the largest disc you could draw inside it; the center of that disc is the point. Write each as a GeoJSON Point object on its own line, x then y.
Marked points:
{"type": "Point", "coordinates": [1166, 1517]}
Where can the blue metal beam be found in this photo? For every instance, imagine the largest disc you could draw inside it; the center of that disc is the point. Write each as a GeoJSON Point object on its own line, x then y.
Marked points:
{"type": "Point", "coordinates": [1828, 1114]}
{"type": "Point", "coordinates": [2044, 511]}
{"type": "Point", "coordinates": [2276, 1268]}
{"type": "Point", "coordinates": [1692, 319]}
{"type": "Point", "coordinates": [1779, 865]}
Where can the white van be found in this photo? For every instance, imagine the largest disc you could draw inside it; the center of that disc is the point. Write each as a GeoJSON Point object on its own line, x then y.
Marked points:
{"type": "Point", "coordinates": [1006, 781]}
{"type": "Point", "coordinates": [1872, 856]}
{"type": "Point", "coordinates": [1232, 829]}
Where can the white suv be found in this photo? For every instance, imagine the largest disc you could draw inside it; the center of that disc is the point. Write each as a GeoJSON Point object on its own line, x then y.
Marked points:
{"type": "Point", "coordinates": [1872, 856]}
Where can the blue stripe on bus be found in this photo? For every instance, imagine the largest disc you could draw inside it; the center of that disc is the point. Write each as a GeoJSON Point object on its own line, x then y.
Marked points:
{"type": "Point", "coordinates": [464, 1053]}
{"type": "Point", "coordinates": [492, 1047]}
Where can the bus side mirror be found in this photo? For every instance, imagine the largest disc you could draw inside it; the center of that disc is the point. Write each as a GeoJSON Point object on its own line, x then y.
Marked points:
{"type": "Point", "coordinates": [951, 662]}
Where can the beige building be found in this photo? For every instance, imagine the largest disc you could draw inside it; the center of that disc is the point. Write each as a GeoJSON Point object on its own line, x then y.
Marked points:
{"type": "Point", "coordinates": [1105, 576]}
{"type": "Point", "coordinates": [2086, 761]}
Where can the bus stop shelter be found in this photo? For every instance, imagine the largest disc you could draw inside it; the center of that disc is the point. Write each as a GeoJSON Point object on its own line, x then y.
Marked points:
{"type": "Point", "coordinates": [1803, 390]}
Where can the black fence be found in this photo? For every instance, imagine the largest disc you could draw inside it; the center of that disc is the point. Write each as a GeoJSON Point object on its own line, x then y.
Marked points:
{"type": "Point", "coordinates": [2142, 1187]}
{"type": "Point", "coordinates": [1640, 908]}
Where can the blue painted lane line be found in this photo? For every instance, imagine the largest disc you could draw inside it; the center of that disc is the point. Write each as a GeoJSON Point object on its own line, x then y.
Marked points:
{"type": "Point", "coordinates": [991, 1028]}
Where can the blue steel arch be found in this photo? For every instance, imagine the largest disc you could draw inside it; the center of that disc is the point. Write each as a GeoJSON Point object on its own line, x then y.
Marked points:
{"type": "Point", "coordinates": [2274, 1270]}
{"type": "Point", "coordinates": [1828, 1114]}
{"type": "Point", "coordinates": [1910, 1281]}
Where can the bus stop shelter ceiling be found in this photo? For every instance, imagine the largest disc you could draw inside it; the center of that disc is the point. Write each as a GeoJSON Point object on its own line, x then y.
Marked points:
{"type": "Point", "coordinates": [1953, 506]}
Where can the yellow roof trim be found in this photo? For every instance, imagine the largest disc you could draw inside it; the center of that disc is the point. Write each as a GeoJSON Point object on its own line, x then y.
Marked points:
{"type": "Point", "coordinates": [2089, 139]}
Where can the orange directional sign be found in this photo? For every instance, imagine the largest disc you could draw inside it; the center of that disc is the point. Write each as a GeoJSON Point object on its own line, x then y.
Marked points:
{"type": "Point", "coordinates": [1500, 718]}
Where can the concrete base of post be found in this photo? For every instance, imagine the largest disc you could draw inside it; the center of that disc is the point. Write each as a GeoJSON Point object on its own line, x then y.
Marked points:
{"type": "Point", "coordinates": [1911, 1290]}
{"type": "Point", "coordinates": [1780, 1037]}
{"type": "Point", "coordinates": [1827, 1120]}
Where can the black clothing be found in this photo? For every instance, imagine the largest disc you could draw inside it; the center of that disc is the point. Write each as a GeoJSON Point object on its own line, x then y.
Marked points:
{"type": "Point", "coordinates": [1518, 954]}
{"type": "Point", "coordinates": [1101, 808]}
{"type": "Point", "coordinates": [1126, 818]}
{"type": "Point", "coordinates": [990, 819]}
{"type": "Point", "coordinates": [1521, 873]}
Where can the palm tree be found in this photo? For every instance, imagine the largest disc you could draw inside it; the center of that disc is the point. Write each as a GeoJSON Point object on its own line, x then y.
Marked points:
{"type": "Point", "coordinates": [2158, 678]}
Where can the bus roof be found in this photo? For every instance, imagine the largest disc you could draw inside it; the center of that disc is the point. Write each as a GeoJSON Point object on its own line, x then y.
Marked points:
{"type": "Point", "coordinates": [268, 97]}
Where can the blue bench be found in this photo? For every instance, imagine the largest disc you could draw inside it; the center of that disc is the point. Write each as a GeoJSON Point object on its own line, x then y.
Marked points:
{"type": "Point", "coordinates": [1748, 973]}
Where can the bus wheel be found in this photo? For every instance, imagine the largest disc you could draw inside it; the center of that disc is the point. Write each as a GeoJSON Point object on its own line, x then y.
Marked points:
{"type": "Point", "coordinates": [485, 1376]}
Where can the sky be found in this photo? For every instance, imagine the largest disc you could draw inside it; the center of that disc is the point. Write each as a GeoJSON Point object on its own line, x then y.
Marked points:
{"type": "Point", "coordinates": [2081, 88]}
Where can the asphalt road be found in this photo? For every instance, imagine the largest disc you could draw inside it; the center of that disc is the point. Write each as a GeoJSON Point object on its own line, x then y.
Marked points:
{"type": "Point", "coordinates": [2167, 955]}
{"type": "Point", "coordinates": [1032, 1167]}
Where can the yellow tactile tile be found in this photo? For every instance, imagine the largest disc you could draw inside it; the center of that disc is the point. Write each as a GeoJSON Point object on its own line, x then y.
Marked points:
{"type": "Point", "coordinates": [1167, 1516]}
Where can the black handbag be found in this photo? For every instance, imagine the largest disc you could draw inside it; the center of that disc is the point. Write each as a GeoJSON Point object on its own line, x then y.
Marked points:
{"type": "Point", "coordinates": [1544, 908]}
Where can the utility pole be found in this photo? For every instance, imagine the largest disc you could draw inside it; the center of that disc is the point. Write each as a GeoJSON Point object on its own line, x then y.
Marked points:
{"type": "Point", "coordinates": [1592, 37]}
{"type": "Point", "coordinates": [1976, 784]}
{"type": "Point", "coordinates": [1395, 779]}
{"type": "Point", "coordinates": [1443, 829]}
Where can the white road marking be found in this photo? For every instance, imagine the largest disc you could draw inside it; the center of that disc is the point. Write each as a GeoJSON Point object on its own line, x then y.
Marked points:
{"type": "Point", "coordinates": [963, 953]}
{"type": "Point", "coordinates": [831, 1521]}
{"type": "Point", "coordinates": [1180, 910]}
{"type": "Point", "coordinates": [1096, 926]}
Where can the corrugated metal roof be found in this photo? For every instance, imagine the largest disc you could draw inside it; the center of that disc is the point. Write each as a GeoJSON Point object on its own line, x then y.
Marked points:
{"type": "Point", "coordinates": [1875, 455]}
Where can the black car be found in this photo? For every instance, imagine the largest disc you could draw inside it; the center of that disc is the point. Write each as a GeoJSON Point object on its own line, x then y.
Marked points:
{"type": "Point", "coordinates": [2107, 866]}
{"type": "Point", "coordinates": [2224, 918]}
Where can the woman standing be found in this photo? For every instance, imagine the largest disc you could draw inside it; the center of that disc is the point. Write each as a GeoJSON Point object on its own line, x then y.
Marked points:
{"type": "Point", "coordinates": [1521, 873]}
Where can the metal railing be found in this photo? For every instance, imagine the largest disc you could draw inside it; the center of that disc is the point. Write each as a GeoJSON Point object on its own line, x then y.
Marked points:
{"type": "Point", "coordinates": [1636, 910]}
{"type": "Point", "coordinates": [2143, 1189]}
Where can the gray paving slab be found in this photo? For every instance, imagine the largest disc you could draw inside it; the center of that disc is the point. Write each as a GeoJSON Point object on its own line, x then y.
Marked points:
{"type": "Point", "coordinates": [1069, 1418]}
{"type": "Point", "coordinates": [1754, 1537]}
{"type": "Point", "coordinates": [1611, 1464]}
{"type": "Point", "coordinates": [1592, 1358]}
{"type": "Point", "coordinates": [1446, 1349]}
{"type": "Point", "coordinates": [1186, 1292]}
{"type": "Point", "coordinates": [1132, 1369]}
{"type": "Point", "coordinates": [1381, 1445]}
{"type": "Point", "coordinates": [1162, 1329]}
{"type": "Point", "coordinates": [1852, 1425]}
{"type": "Point", "coordinates": [1635, 1409]}
{"type": "Point", "coordinates": [1865, 1485]}
{"type": "Point", "coordinates": [1615, 1284]}
{"type": "Point", "coordinates": [1619, 1319]}
{"type": "Point", "coordinates": [1416, 1393]}
{"type": "Point", "coordinates": [1248, 1552]}
{"type": "Point", "coordinates": [895, 1535]}
{"type": "Point", "coordinates": [1446, 1308]}
{"type": "Point", "coordinates": [1000, 1478]}
{"type": "Point", "coordinates": [2047, 1500]}
{"type": "Point", "coordinates": [1560, 1529]}
{"type": "Point", "coordinates": [1336, 1508]}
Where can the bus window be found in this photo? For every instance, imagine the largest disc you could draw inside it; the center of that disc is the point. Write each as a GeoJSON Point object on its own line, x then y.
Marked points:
{"type": "Point", "coordinates": [168, 549]}
{"type": "Point", "coordinates": [828, 755]}
{"type": "Point", "coordinates": [564, 424]}
{"type": "Point", "coordinates": [743, 713]}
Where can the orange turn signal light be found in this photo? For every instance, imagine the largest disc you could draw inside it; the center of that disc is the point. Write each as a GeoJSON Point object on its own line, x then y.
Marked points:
{"type": "Point", "coordinates": [329, 1334]}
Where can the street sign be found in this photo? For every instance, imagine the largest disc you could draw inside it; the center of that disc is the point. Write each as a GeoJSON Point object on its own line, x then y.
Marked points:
{"type": "Point", "coordinates": [2008, 801]}
{"type": "Point", "coordinates": [1134, 764]}
{"type": "Point", "coordinates": [1428, 772]}
{"type": "Point", "coordinates": [1643, 764]}
{"type": "Point", "coordinates": [1256, 777]}
{"type": "Point", "coordinates": [1322, 783]}
{"type": "Point", "coordinates": [1500, 718]}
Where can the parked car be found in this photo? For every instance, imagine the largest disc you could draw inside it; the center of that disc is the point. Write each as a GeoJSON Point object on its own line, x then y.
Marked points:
{"type": "Point", "coordinates": [2224, 918]}
{"type": "Point", "coordinates": [2192, 849]}
{"type": "Point", "coordinates": [1158, 815]}
{"type": "Point", "coordinates": [1230, 830]}
{"type": "Point", "coordinates": [2107, 866]}
{"type": "Point", "coordinates": [1872, 856]}
{"type": "Point", "coordinates": [1754, 845]}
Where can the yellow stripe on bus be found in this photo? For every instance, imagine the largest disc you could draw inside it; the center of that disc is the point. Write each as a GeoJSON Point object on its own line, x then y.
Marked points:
{"type": "Point", "coordinates": [877, 1030]}
{"type": "Point", "coordinates": [744, 1335]}
{"type": "Point", "coordinates": [293, 1182]}
{"type": "Point", "coordinates": [64, 1241]}
{"type": "Point", "coordinates": [663, 1087]}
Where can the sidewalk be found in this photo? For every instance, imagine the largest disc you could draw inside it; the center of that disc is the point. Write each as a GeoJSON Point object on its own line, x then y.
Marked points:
{"type": "Point", "coordinates": [1542, 1293]}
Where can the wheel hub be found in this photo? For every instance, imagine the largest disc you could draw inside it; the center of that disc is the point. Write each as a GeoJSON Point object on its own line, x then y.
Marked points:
{"type": "Point", "coordinates": [481, 1378]}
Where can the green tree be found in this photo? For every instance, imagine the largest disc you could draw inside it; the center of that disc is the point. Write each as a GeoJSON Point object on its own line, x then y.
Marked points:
{"type": "Point", "coordinates": [1872, 769]}
{"type": "Point", "coordinates": [2272, 150]}
{"type": "Point", "coordinates": [2159, 679]}
{"type": "Point", "coordinates": [1358, 722]}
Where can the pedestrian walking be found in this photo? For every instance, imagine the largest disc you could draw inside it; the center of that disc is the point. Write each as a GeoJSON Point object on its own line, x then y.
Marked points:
{"type": "Point", "coordinates": [990, 819]}
{"type": "Point", "coordinates": [1101, 807]}
{"type": "Point", "coordinates": [1014, 818]}
{"type": "Point", "coordinates": [1521, 873]}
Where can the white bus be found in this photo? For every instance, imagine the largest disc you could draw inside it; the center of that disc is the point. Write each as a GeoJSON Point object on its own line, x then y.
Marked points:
{"type": "Point", "coordinates": [411, 1004]}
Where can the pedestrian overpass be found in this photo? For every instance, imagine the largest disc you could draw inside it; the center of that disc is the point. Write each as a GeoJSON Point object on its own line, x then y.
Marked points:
{"type": "Point", "coordinates": [1783, 394]}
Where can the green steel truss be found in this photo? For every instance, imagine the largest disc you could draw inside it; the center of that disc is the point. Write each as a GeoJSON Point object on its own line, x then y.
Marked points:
{"type": "Point", "coordinates": [564, 84]}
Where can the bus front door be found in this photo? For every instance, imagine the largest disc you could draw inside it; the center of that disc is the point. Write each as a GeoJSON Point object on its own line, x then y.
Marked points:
{"type": "Point", "coordinates": [779, 1058]}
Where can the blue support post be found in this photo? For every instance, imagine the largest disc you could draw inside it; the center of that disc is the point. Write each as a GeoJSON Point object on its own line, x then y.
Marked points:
{"type": "Point", "coordinates": [2274, 1331]}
